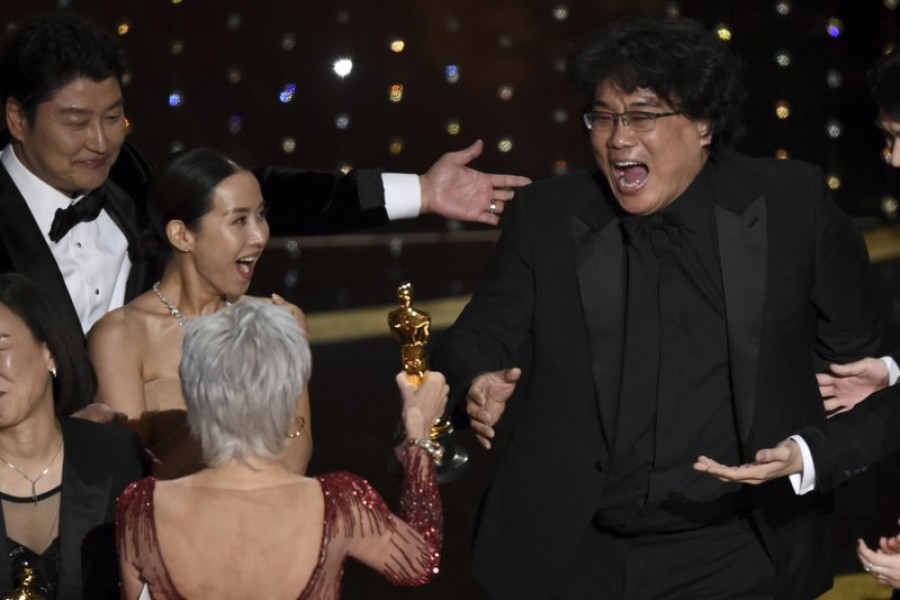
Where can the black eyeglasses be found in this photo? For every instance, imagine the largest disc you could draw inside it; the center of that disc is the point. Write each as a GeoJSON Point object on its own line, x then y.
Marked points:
{"type": "Point", "coordinates": [635, 120]}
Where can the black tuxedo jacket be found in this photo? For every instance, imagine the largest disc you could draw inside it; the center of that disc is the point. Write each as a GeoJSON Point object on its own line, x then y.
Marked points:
{"type": "Point", "coordinates": [100, 461]}
{"type": "Point", "coordinates": [847, 444]}
{"type": "Point", "coordinates": [794, 274]}
{"type": "Point", "coordinates": [299, 203]}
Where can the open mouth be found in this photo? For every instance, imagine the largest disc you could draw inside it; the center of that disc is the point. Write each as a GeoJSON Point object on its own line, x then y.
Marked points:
{"type": "Point", "coordinates": [246, 265]}
{"type": "Point", "coordinates": [630, 175]}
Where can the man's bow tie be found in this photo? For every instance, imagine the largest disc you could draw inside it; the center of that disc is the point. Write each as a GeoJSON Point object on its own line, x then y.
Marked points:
{"type": "Point", "coordinates": [86, 209]}
{"type": "Point", "coordinates": [637, 227]}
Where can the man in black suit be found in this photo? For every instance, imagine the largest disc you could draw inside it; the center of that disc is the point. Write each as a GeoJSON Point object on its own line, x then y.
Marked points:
{"type": "Point", "coordinates": [676, 301]}
{"type": "Point", "coordinates": [844, 386]}
{"type": "Point", "coordinates": [61, 89]}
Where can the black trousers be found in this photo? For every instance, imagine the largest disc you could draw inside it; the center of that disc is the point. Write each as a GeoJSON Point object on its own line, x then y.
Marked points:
{"type": "Point", "coordinates": [725, 561]}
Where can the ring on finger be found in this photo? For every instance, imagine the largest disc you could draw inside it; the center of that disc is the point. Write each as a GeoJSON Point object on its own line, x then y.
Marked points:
{"type": "Point", "coordinates": [492, 208]}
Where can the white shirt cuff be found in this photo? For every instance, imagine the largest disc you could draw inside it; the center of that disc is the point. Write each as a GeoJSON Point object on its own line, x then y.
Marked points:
{"type": "Point", "coordinates": [402, 195]}
{"type": "Point", "coordinates": [893, 369]}
{"type": "Point", "coordinates": [805, 481]}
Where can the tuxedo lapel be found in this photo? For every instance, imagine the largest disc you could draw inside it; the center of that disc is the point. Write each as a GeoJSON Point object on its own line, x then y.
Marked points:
{"type": "Point", "coordinates": [743, 255]}
{"type": "Point", "coordinates": [600, 269]}
{"type": "Point", "coordinates": [26, 249]}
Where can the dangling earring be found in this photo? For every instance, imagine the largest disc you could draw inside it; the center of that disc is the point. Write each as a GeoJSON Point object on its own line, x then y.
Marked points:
{"type": "Point", "coordinates": [53, 370]}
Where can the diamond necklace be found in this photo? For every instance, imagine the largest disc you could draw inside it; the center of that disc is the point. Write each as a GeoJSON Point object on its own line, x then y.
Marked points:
{"type": "Point", "coordinates": [173, 310]}
{"type": "Point", "coordinates": [34, 481]}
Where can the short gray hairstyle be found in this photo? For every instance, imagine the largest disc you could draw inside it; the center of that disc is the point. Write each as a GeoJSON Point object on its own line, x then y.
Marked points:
{"type": "Point", "coordinates": [242, 371]}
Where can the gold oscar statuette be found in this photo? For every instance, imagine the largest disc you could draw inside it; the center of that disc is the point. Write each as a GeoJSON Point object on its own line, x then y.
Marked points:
{"type": "Point", "coordinates": [412, 328]}
{"type": "Point", "coordinates": [24, 591]}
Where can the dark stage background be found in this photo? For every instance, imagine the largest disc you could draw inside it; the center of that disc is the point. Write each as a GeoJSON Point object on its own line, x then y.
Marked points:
{"type": "Point", "coordinates": [257, 80]}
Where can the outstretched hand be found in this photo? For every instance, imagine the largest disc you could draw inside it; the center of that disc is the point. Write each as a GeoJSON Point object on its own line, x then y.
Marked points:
{"type": "Point", "coordinates": [486, 401]}
{"type": "Point", "coordinates": [455, 191]}
{"type": "Point", "coordinates": [845, 386]}
{"type": "Point", "coordinates": [771, 463]}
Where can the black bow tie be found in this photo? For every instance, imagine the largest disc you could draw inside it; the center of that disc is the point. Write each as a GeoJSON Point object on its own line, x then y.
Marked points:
{"type": "Point", "coordinates": [638, 227]}
{"type": "Point", "coordinates": [86, 209]}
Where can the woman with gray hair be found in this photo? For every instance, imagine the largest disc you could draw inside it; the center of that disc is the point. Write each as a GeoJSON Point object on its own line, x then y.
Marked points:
{"type": "Point", "coordinates": [246, 526]}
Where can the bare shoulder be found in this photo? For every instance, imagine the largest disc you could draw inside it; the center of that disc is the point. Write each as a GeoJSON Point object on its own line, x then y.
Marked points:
{"type": "Point", "coordinates": [123, 322]}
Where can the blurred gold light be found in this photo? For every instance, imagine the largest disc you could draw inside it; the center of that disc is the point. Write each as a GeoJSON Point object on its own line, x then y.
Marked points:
{"type": "Point", "coordinates": [560, 167]}
{"type": "Point", "coordinates": [397, 45]}
{"type": "Point", "coordinates": [833, 182]}
{"type": "Point", "coordinates": [782, 154]}
{"type": "Point", "coordinates": [177, 47]}
{"type": "Point", "coordinates": [176, 1]}
{"type": "Point", "coordinates": [723, 32]}
{"type": "Point", "coordinates": [288, 145]}
{"type": "Point", "coordinates": [890, 206]}
{"type": "Point", "coordinates": [123, 27]}
{"type": "Point", "coordinates": [395, 146]}
{"type": "Point", "coordinates": [453, 127]}
{"type": "Point", "coordinates": [395, 92]}
{"type": "Point", "coordinates": [505, 92]}
{"type": "Point", "coordinates": [505, 144]}
{"type": "Point", "coordinates": [782, 109]}
{"type": "Point", "coordinates": [345, 168]}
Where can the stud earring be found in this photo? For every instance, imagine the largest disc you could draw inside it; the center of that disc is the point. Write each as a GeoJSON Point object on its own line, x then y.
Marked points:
{"type": "Point", "coordinates": [53, 370]}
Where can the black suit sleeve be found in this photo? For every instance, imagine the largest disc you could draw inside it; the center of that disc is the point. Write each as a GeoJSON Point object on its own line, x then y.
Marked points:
{"type": "Point", "coordinates": [846, 444]}
{"type": "Point", "coordinates": [490, 331]}
{"type": "Point", "coordinates": [316, 202]}
{"type": "Point", "coordinates": [848, 320]}
{"type": "Point", "coordinates": [300, 202]}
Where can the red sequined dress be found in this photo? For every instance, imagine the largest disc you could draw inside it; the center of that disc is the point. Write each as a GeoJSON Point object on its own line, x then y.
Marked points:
{"type": "Point", "coordinates": [248, 552]}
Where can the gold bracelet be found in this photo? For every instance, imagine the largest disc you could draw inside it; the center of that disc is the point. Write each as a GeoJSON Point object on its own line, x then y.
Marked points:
{"type": "Point", "coordinates": [432, 447]}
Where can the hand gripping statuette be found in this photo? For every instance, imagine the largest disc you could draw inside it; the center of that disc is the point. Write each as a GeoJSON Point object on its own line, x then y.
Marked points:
{"type": "Point", "coordinates": [412, 327]}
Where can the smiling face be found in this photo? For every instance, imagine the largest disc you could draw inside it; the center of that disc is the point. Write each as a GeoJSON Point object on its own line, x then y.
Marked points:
{"type": "Point", "coordinates": [648, 170]}
{"type": "Point", "coordinates": [75, 137]}
{"type": "Point", "coordinates": [231, 236]}
{"type": "Point", "coordinates": [25, 380]}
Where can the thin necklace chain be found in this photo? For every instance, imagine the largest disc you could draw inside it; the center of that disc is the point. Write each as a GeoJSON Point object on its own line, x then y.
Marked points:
{"type": "Point", "coordinates": [173, 310]}
{"type": "Point", "coordinates": [34, 481]}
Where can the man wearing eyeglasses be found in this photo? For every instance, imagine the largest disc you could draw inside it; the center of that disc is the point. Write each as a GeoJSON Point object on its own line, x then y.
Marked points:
{"type": "Point", "coordinates": [680, 298]}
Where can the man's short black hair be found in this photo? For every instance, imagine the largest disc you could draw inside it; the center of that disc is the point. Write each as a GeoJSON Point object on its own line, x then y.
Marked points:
{"type": "Point", "coordinates": [680, 61]}
{"type": "Point", "coordinates": [885, 81]}
{"type": "Point", "coordinates": [47, 52]}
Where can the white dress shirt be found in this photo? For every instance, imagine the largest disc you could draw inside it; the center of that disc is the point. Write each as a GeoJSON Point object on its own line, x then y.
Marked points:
{"type": "Point", "coordinates": [92, 257]}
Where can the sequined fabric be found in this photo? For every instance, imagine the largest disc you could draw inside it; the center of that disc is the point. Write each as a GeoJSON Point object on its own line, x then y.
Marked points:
{"type": "Point", "coordinates": [405, 548]}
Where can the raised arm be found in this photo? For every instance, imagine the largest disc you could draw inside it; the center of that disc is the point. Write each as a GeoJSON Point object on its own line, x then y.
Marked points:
{"type": "Point", "coordinates": [406, 548]}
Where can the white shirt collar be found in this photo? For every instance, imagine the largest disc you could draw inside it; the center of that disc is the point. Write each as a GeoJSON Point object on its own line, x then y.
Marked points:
{"type": "Point", "coordinates": [42, 198]}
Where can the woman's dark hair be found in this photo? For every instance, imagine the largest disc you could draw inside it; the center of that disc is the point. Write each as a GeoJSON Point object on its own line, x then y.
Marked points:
{"type": "Point", "coordinates": [183, 191]}
{"type": "Point", "coordinates": [49, 51]}
{"type": "Point", "coordinates": [885, 81]}
{"type": "Point", "coordinates": [75, 384]}
{"type": "Point", "coordinates": [682, 63]}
